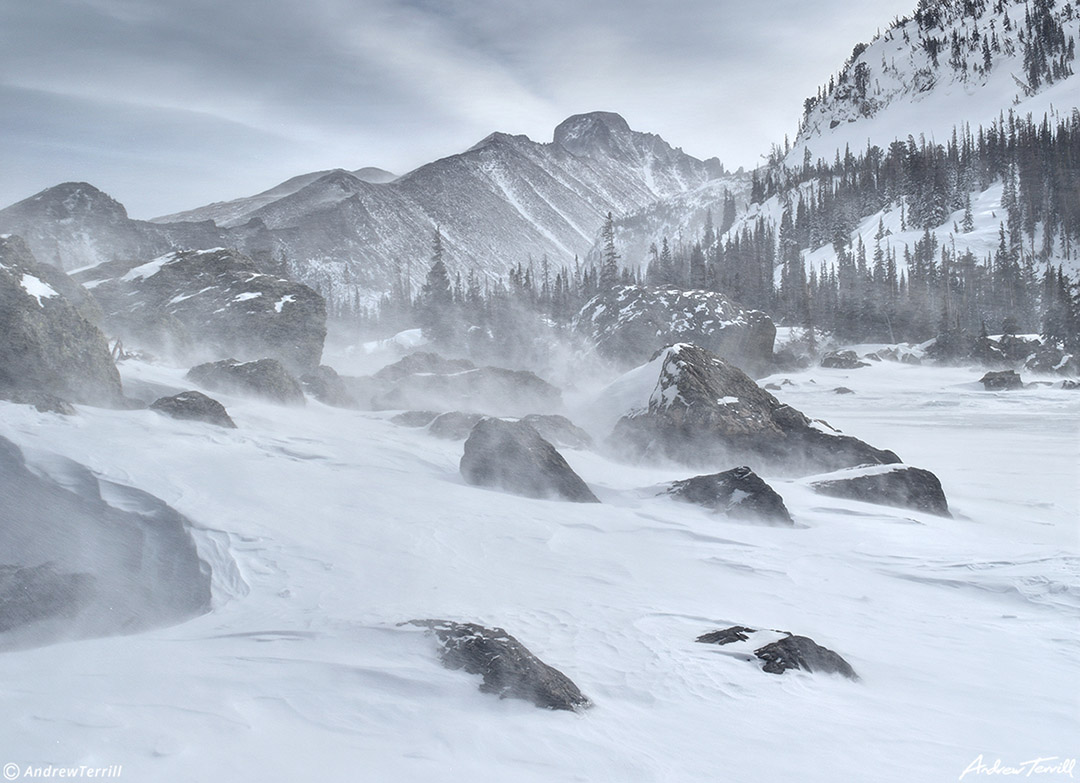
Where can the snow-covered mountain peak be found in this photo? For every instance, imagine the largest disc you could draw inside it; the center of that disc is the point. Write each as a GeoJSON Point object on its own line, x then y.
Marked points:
{"type": "Point", "coordinates": [74, 201]}
{"type": "Point", "coordinates": [592, 133]}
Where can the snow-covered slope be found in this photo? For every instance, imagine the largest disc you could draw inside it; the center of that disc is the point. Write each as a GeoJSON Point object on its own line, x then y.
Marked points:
{"type": "Point", "coordinates": [342, 525]}
{"type": "Point", "coordinates": [955, 62]}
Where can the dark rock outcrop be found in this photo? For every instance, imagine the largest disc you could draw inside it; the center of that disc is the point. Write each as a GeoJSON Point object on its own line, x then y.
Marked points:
{"type": "Point", "coordinates": [455, 425]}
{"type": "Point", "coordinates": [781, 654]}
{"type": "Point", "coordinates": [508, 668]}
{"type": "Point", "coordinates": [194, 406]}
{"type": "Point", "coordinates": [738, 493]}
{"type": "Point", "coordinates": [703, 411]}
{"type": "Point", "coordinates": [326, 386]}
{"type": "Point", "coordinates": [214, 303]}
{"type": "Point", "coordinates": [893, 485]}
{"type": "Point", "coordinates": [842, 390]}
{"type": "Point", "coordinates": [842, 360]}
{"type": "Point", "coordinates": [49, 343]}
{"type": "Point", "coordinates": [43, 401]}
{"type": "Point", "coordinates": [264, 378]}
{"type": "Point", "coordinates": [1004, 380]}
{"type": "Point", "coordinates": [1070, 385]}
{"type": "Point", "coordinates": [513, 457]}
{"type": "Point", "coordinates": [559, 431]}
{"type": "Point", "coordinates": [631, 323]}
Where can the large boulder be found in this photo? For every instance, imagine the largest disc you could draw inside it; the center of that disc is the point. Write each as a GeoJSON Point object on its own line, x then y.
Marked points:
{"type": "Point", "coordinates": [631, 323]}
{"type": "Point", "coordinates": [780, 651]}
{"type": "Point", "coordinates": [264, 378]}
{"type": "Point", "coordinates": [508, 668]}
{"type": "Point", "coordinates": [738, 493]}
{"type": "Point", "coordinates": [495, 390]}
{"type": "Point", "coordinates": [888, 485]}
{"type": "Point", "coordinates": [690, 406]}
{"type": "Point", "coordinates": [49, 343]}
{"type": "Point", "coordinates": [194, 406]}
{"type": "Point", "coordinates": [213, 304]}
{"type": "Point", "coordinates": [513, 457]}
{"type": "Point", "coordinates": [1005, 380]}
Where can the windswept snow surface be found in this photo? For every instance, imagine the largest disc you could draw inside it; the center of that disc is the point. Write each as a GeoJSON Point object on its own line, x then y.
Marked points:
{"type": "Point", "coordinates": [964, 631]}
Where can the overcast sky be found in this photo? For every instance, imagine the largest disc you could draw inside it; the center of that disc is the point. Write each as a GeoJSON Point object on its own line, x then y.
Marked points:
{"type": "Point", "coordinates": [170, 104]}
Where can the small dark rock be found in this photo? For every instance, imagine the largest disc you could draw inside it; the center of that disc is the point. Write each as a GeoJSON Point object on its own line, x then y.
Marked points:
{"type": "Point", "coordinates": [772, 387]}
{"type": "Point", "coordinates": [414, 418]}
{"type": "Point", "coordinates": [509, 669]}
{"type": "Point", "coordinates": [265, 378]}
{"type": "Point", "coordinates": [455, 425]}
{"type": "Point", "coordinates": [513, 457]}
{"type": "Point", "coordinates": [897, 485]}
{"type": "Point", "coordinates": [1001, 381]}
{"type": "Point", "coordinates": [739, 493]}
{"type": "Point", "coordinates": [800, 652]}
{"type": "Point", "coordinates": [842, 360]}
{"type": "Point", "coordinates": [1067, 384]}
{"type": "Point", "coordinates": [842, 390]}
{"type": "Point", "coordinates": [872, 356]}
{"type": "Point", "coordinates": [194, 406]}
{"type": "Point", "coordinates": [736, 633]}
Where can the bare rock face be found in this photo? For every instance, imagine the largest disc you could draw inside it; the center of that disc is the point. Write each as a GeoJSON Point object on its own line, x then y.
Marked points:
{"type": "Point", "coordinates": [738, 493]}
{"type": "Point", "coordinates": [780, 651]}
{"type": "Point", "coordinates": [212, 303]}
{"type": "Point", "coordinates": [889, 485]}
{"type": "Point", "coordinates": [700, 410]}
{"type": "Point", "coordinates": [264, 378]}
{"type": "Point", "coordinates": [194, 406]}
{"type": "Point", "coordinates": [631, 323]}
{"type": "Point", "coordinates": [512, 456]}
{"type": "Point", "coordinates": [49, 342]}
{"type": "Point", "coordinates": [508, 668]}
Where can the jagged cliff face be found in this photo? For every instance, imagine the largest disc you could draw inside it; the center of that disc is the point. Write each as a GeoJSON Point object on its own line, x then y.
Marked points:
{"type": "Point", "coordinates": [952, 62]}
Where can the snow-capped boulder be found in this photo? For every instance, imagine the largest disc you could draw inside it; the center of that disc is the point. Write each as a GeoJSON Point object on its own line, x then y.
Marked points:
{"type": "Point", "coordinates": [780, 650]}
{"type": "Point", "coordinates": [1004, 380]}
{"type": "Point", "coordinates": [888, 485]}
{"type": "Point", "coordinates": [842, 360]}
{"type": "Point", "coordinates": [85, 557]}
{"type": "Point", "coordinates": [210, 303]}
{"type": "Point", "coordinates": [47, 342]}
{"type": "Point", "coordinates": [512, 456]}
{"type": "Point", "coordinates": [454, 425]}
{"type": "Point", "coordinates": [495, 390]}
{"type": "Point", "coordinates": [326, 386]}
{"type": "Point", "coordinates": [265, 378]}
{"type": "Point", "coordinates": [194, 406]}
{"type": "Point", "coordinates": [508, 668]}
{"type": "Point", "coordinates": [738, 493]}
{"type": "Point", "coordinates": [690, 406]}
{"type": "Point", "coordinates": [632, 322]}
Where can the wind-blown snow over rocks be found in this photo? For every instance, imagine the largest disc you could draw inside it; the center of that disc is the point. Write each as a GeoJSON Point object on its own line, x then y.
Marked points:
{"type": "Point", "coordinates": [633, 322]}
{"type": "Point", "coordinates": [47, 343]}
{"type": "Point", "coordinates": [694, 408]}
{"type": "Point", "coordinates": [890, 485]}
{"type": "Point", "coordinates": [210, 304]}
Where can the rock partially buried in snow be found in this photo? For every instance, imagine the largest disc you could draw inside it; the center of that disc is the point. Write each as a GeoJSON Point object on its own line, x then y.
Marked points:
{"type": "Point", "coordinates": [326, 386]}
{"type": "Point", "coordinates": [513, 457]}
{"type": "Point", "coordinates": [414, 418]}
{"type": "Point", "coordinates": [842, 360]}
{"type": "Point", "coordinates": [694, 408]}
{"type": "Point", "coordinates": [1002, 381]}
{"type": "Point", "coordinates": [888, 485]}
{"type": "Point", "coordinates": [425, 362]}
{"type": "Point", "coordinates": [780, 650]}
{"type": "Point", "coordinates": [455, 425]}
{"type": "Point", "coordinates": [194, 406]}
{"type": "Point", "coordinates": [509, 669]}
{"type": "Point", "coordinates": [264, 378]}
{"type": "Point", "coordinates": [738, 493]}
{"type": "Point", "coordinates": [42, 401]}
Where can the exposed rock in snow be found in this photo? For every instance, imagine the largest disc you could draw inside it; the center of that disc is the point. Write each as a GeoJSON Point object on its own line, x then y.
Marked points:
{"type": "Point", "coordinates": [194, 406]}
{"type": "Point", "coordinates": [780, 650]}
{"type": "Point", "coordinates": [559, 431]}
{"type": "Point", "coordinates": [889, 485]}
{"type": "Point", "coordinates": [454, 425]}
{"type": "Point", "coordinates": [264, 378]}
{"type": "Point", "coordinates": [42, 401]}
{"type": "Point", "coordinates": [1001, 381]}
{"type": "Point", "coordinates": [414, 418]}
{"type": "Point", "coordinates": [842, 360]}
{"type": "Point", "coordinates": [48, 343]}
{"type": "Point", "coordinates": [326, 386]}
{"type": "Point", "coordinates": [422, 362]}
{"type": "Point", "coordinates": [508, 668]}
{"type": "Point", "coordinates": [631, 323]}
{"type": "Point", "coordinates": [679, 414]}
{"type": "Point", "coordinates": [493, 390]}
{"type": "Point", "coordinates": [738, 493]}
{"type": "Point", "coordinates": [513, 457]}
{"type": "Point", "coordinates": [212, 303]}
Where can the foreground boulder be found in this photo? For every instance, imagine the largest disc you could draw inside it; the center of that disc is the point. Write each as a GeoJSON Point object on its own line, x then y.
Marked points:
{"type": "Point", "coordinates": [738, 493]}
{"type": "Point", "coordinates": [512, 456]}
{"type": "Point", "coordinates": [888, 485]}
{"type": "Point", "coordinates": [210, 302]}
{"type": "Point", "coordinates": [697, 409]}
{"type": "Point", "coordinates": [508, 668]}
{"type": "Point", "coordinates": [632, 322]}
{"type": "Point", "coordinates": [194, 406]}
{"type": "Point", "coordinates": [1002, 381]}
{"type": "Point", "coordinates": [779, 650]}
{"type": "Point", "coordinates": [264, 378]}
{"type": "Point", "coordinates": [49, 343]}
